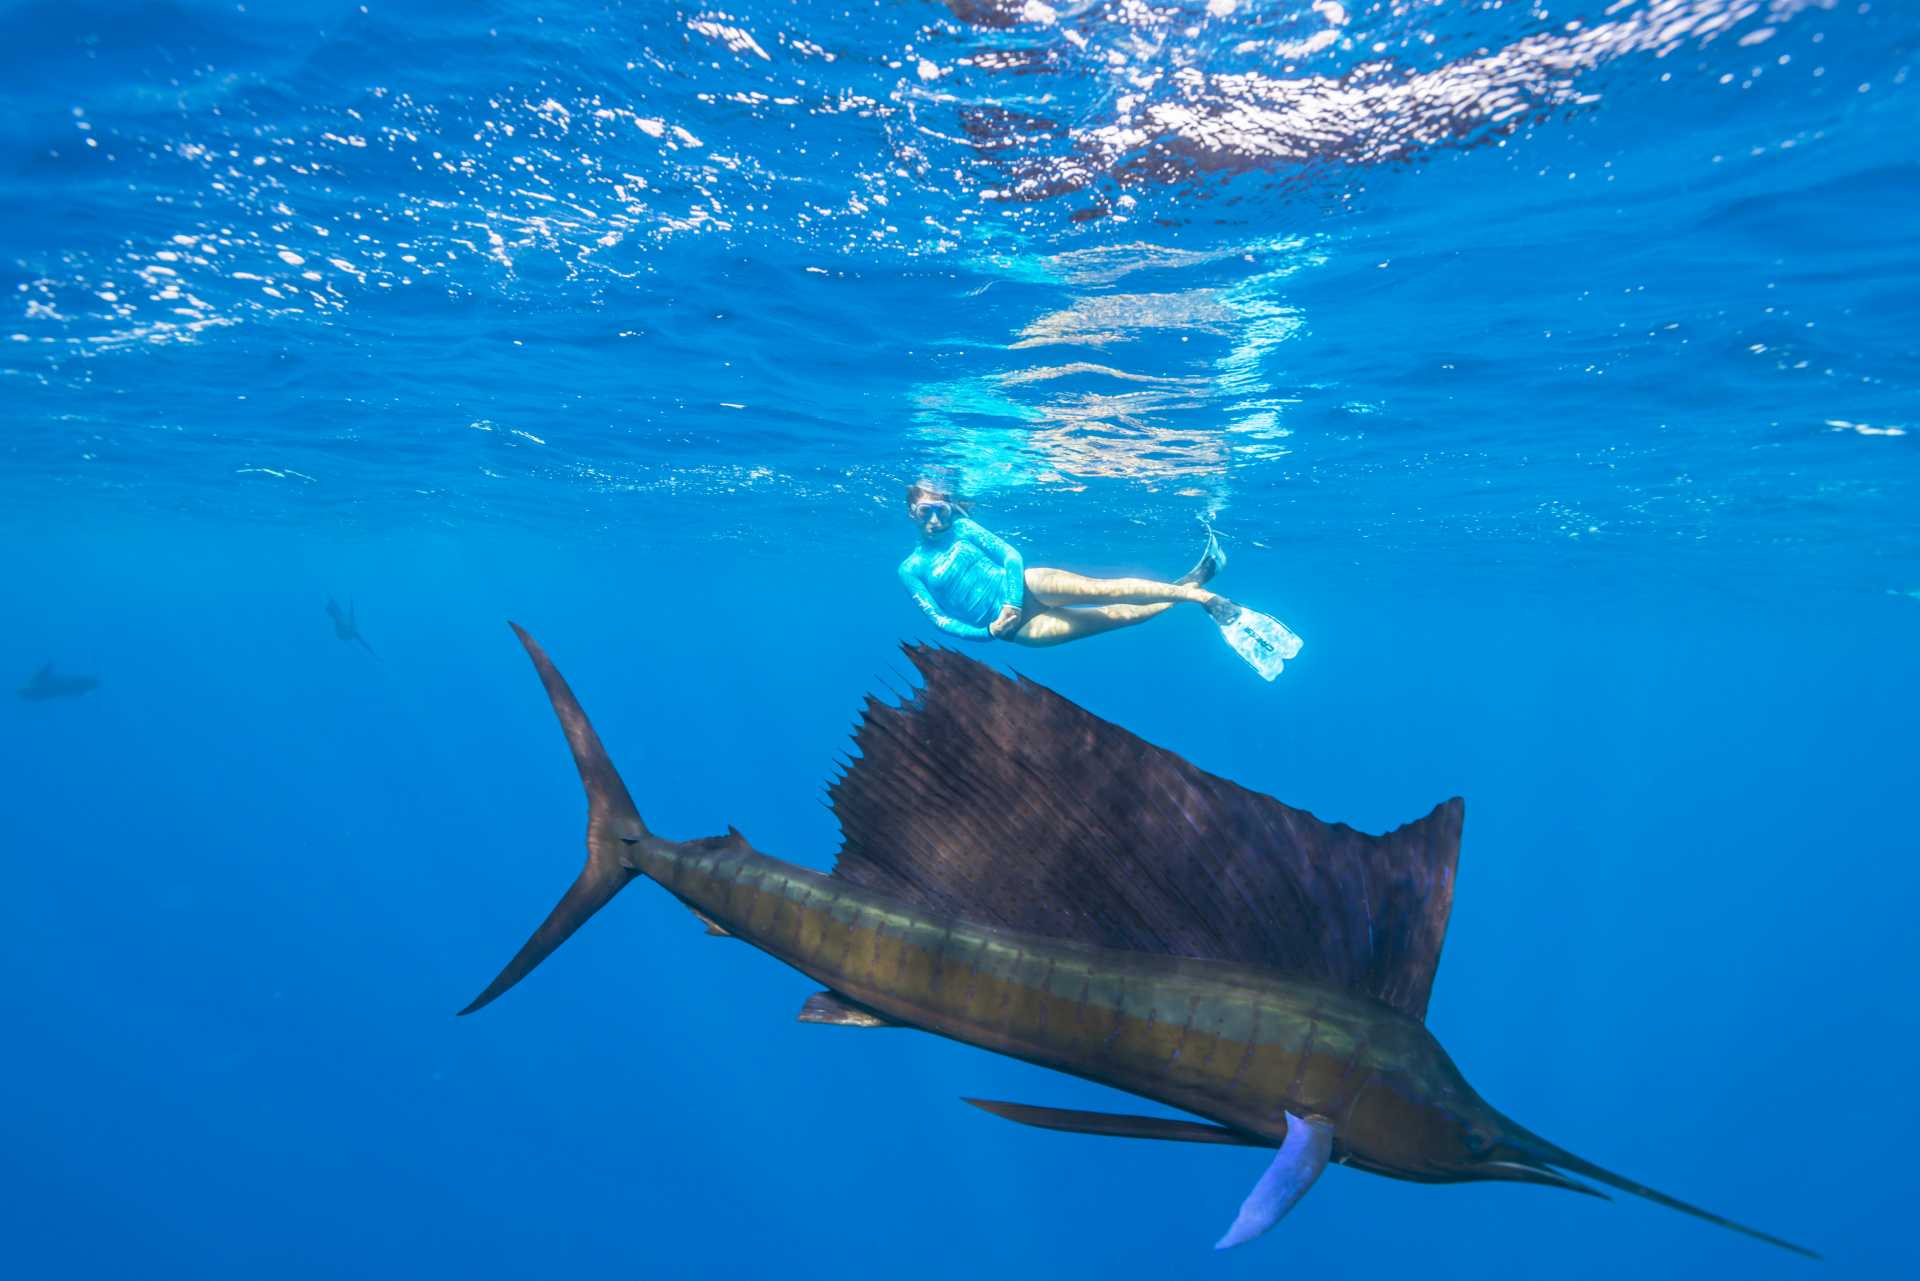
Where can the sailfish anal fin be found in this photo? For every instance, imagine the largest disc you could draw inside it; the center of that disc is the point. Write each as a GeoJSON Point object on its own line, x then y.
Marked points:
{"type": "Point", "coordinates": [1119, 1125]}
{"type": "Point", "coordinates": [1295, 1167]}
{"type": "Point", "coordinates": [713, 927]}
{"type": "Point", "coordinates": [837, 1011]}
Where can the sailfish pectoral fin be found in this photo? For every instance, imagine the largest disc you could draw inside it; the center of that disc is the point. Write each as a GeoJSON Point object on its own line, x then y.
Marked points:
{"type": "Point", "coordinates": [1295, 1167]}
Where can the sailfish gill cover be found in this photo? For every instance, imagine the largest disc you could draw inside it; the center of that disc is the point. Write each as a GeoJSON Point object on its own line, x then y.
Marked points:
{"type": "Point", "coordinates": [1550, 368]}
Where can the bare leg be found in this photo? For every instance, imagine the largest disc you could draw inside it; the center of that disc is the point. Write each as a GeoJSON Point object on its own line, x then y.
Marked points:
{"type": "Point", "coordinates": [1058, 587]}
{"type": "Point", "coordinates": [1044, 627]}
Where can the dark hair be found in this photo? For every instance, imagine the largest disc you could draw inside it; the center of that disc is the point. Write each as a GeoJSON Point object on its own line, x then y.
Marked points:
{"type": "Point", "coordinates": [925, 488]}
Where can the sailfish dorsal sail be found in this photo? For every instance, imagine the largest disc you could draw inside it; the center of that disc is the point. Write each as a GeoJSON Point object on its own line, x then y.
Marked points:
{"type": "Point", "coordinates": [997, 800]}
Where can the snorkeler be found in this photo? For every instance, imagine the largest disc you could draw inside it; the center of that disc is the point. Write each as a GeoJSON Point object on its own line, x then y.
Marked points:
{"type": "Point", "coordinates": [975, 585]}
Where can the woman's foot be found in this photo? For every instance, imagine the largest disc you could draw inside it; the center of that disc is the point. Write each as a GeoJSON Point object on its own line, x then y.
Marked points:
{"type": "Point", "coordinates": [1212, 561]}
{"type": "Point", "coordinates": [1221, 610]}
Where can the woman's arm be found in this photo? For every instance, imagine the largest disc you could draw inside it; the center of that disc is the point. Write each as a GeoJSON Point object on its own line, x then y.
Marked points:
{"type": "Point", "coordinates": [917, 588]}
{"type": "Point", "coordinates": [1001, 550]}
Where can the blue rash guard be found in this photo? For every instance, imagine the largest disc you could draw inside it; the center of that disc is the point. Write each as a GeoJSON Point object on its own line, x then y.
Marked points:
{"type": "Point", "coordinates": [964, 577]}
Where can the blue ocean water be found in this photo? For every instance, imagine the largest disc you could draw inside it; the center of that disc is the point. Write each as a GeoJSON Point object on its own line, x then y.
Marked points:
{"type": "Point", "coordinates": [1550, 368]}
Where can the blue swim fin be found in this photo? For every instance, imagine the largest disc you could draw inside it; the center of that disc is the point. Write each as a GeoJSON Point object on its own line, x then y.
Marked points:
{"type": "Point", "coordinates": [1211, 562]}
{"type": "Point", "coordinates": [1264, 642]}
{"type": "Point", "coordinates": [1298, 1163]}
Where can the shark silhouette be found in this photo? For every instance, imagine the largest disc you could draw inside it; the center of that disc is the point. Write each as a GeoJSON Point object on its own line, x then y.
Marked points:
{"type": "Point", "coordinates": [44, 685]}
{"type": "Point", "coordinates": [1021, 876]}
{"type": "Point", "coordinates": [345, 625]}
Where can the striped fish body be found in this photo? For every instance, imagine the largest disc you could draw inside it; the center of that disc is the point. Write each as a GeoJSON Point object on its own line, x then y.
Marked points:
{"type": "Point", "coordinates": [1240, 1045]}
{"type": "Point", "coordinates": [1018, 875]}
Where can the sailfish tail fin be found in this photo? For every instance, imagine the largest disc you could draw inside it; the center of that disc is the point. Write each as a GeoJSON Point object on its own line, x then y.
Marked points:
{"type": "Point", "coordinates": [613, 827]}
{"type": "Point", "coordinates": [1543, 1153]}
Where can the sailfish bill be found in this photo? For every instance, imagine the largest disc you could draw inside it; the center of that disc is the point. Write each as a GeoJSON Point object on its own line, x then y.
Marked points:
{"type": "Point", "coordinates": [1019, 875]}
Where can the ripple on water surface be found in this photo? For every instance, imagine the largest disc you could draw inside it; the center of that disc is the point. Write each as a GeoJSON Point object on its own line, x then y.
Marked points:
{"type": "Point", "coordinates": [1621, 271]}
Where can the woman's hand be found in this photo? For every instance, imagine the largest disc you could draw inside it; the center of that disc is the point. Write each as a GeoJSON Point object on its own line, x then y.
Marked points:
{"type": "Point", "coordinates": [1006, 624]}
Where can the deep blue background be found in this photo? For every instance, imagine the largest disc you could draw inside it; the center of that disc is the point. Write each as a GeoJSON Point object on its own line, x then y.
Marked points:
{"type": "Point", "coordinates": [1627, 588]}
{"type": "Point", "coordinates": [254, 874]}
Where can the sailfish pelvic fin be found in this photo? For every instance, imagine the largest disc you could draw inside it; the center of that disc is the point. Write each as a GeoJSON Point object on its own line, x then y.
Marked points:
{"type": "Point", "coordinates": [1119, 1125]}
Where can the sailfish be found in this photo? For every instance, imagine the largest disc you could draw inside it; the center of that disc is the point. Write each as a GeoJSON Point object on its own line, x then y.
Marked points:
{"type": "Point", "coordinates": [1020, 875]}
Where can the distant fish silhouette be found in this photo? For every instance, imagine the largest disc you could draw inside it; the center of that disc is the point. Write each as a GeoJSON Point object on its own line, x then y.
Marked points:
{"type": "Point", "coordinates": [345, 625]}
{"type": "Point", "coordinates": [45, 685]}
